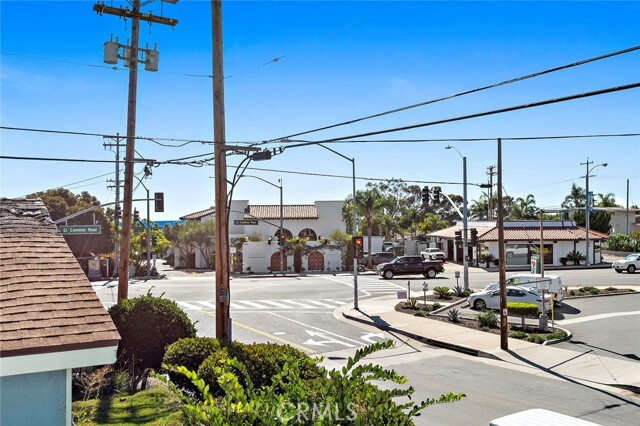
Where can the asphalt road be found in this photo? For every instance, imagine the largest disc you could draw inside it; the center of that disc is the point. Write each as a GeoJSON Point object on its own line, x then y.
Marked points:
{"type": "Point", "coordinates": [300, 312]}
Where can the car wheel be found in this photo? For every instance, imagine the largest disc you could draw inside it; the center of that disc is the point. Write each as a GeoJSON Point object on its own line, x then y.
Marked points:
{"type": "Point", "coordinates": [631, 269]}
{"type": "Point", "coordinates": [618, 270]}
{"type": "Point", "coordinates": [431, 273]}
{"type": "Point", "coordinates": [388, 274]}
{"type": "Point", "coordinates": [509, 254]}
{"type": "Point", "coordinates": [479, 304]}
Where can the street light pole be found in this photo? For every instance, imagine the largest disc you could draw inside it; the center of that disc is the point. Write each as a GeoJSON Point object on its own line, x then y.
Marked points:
{"type": "Point", "coordinates": [465, 239]}
{"type": "Point", "coordinates": [588, 199]}
{"type": "Point", "coordinates": [355, 222]}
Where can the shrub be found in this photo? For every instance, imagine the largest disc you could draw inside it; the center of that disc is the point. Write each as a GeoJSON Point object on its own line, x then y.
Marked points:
{"type": "Point", "coordinates": [486, 258]}
{"type": "Point", "coordinates": [436, 306]}
{"type": "Point", "coordinates": [610, 289]}
{"type": "Point", "coordinates": [589, 289]}
{"type": "Point", "coordinates": [556, 336]}
{"type": "Point", "coordinates": [442, 292]}
{"type": "Point", "coordinates": [518, 335]}
{"type": "Point", "coordinates": [487, 319]}
{"type": "Point", "coordinates": [576, 257]}
{"type": "Point", "coordinates": [147, 325]}
{"type": "Point", "coordinates": [261, 361]}
{"type": "Point", "coordinates": [420, 314]}
{"type": "Point", "coordinates": [484, 328]}
{"type": "Point", "coordinates": [412, 303]}
{"type": "Point", "coordinates": [297, 258]}
{"type": "Point", "coordinates": [454, 315]}
{"type": "Point", "coordinates": [522, 309]}
{"type": "Point", "coordinates": [348, 392]}
{"type": "Point", "coordinates": [536, 338]}
{"type": "Point", "coordinates": [459, 291]}
{"type": "Point", "coordinates": [191, 353]}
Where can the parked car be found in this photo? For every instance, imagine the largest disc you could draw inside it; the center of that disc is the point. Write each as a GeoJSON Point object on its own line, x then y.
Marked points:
{"type": "Point", "coordinates": [532, 281]}
{"type": "Point", "coordinates": [517, 250]}
{"type": "Point", "coordinates": [410, 265]}
{"type": "Point", "coordinates": [490, 299]}
{"type": "Point", "coordinates": [377, 258]}
{"type": "Point", "coordinates": [631, 263]}
{"type": "Point", "coordinates": [432, 254]}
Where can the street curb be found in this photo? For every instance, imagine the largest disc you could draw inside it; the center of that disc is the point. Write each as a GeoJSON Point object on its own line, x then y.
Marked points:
{"type": "Point", "coordinates": [437, 311]}
{"type": "Point", "coordinates": [427, 340]}
{"type": "Point", "coordinates": [564, 339]}
{"type": "Point", "coordinates": [600, 295]}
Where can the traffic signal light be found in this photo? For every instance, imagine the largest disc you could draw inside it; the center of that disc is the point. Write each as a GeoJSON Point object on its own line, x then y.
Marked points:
{"type": "Point", "coordinates": [358, 247]}
{"type": "Point", "coordinates": [118, 212]}
{"type": "Point", "coordinates": [159, 198]}
{"type": "Point", "coordinates": [425, 196]}
{"type": "Point", "coordinates": [458, 238]}
{"type": "Point", "coordinates": [143, 240]}
{"type": "Point", "coordinates": [282, 239]}
{"type": "Point", "coordinates": [136, 215]}
{"type": "Point", "coordinates": [436, 195]}
{"type": "Point", "coordinates": [154, 240]}
{"type": "Point", "coordinates": [474, 237]}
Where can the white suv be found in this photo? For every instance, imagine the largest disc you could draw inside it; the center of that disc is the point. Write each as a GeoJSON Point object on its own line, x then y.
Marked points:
{"type": "Point", "coordinates": [631, 263]}
{"type": "Point", "coordinates": [432, 254]}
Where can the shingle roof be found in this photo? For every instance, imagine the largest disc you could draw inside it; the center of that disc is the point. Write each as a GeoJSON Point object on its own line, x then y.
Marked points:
{"type": "Point", "coordinates": [289, 212]}
{"type": "Point", "coordinates": [46, 302]}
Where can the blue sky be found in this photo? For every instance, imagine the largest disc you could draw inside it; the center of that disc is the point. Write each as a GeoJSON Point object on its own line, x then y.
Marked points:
{"type": "Point", "coordinates": [339, 61]}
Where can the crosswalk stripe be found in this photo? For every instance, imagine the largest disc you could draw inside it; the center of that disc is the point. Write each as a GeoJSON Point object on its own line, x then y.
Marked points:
{"type": "Point", "coordinates": [252, 304]}
{"type": "Point", "coordinates": [321, 304]}
{"type": "Point", "coordinates": [276, 304]}
{"type": "Point", "coordinates": [189, 306]}
{"type": "Point", "coordinates": [236, 306]}
{"type": "Point", "coordinates": [302, 305]}
{"type": "Point", "coordinates": [208, 304]}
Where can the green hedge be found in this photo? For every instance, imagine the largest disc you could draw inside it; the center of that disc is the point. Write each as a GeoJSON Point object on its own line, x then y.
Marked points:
{"type": "Point", "coordinates": [147, 325]}
{"type": "Point", "coordinates": [523, 309]}
{"type": "Point", "coordinates": [191, 353]}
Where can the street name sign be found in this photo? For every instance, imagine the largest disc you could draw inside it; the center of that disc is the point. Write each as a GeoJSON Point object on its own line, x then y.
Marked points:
{"type": "Point", "coordinates": [81, 229]}
{"type": "Point", "coordinates": [245, 222]}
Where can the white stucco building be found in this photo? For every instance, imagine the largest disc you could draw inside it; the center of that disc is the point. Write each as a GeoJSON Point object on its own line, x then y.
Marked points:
{"type": "Point", "coordinates": [313, 221]}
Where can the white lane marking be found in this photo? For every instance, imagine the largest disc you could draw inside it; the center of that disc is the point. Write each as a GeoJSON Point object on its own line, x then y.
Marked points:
{"type": "Point", "coordinates": [278, 333]}
{"type": "Point", "coordinates": [208, 304]}
{"type": "Point", "coordinates": [596, 317]}
{"type": "Point", "coordinates": [369, 337]}
{"type": "Point", "coordinates": [190, 306]}
{"type": "Point", "coordinates": [326, 340]}
{"type": "Point", "coordinates": [315, 328]}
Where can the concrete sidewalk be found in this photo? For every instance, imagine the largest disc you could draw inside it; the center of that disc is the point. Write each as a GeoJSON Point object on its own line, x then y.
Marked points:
{"type": "Point", "coordinates": [546, 359]}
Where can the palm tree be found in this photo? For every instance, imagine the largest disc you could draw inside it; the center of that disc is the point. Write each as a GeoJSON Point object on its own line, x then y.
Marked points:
{"type": "Point", "coordinates": [479, 208]}
{"type": "Point", "coordinates": [607, 200]}
{"type": "Point", "coordinates": [368, 205]}
{"type": "Point", "coordinates": [576, 197]}
{"type": "Point", "coordinates": [524, 208]}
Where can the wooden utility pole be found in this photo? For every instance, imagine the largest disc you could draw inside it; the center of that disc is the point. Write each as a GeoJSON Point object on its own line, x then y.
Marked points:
{"type": "Point", "coordinates": [223, 320]}
{"type": "Point", "coordinates": [135, 16]}
{"type": "Point", "coordinates": [504, 341]}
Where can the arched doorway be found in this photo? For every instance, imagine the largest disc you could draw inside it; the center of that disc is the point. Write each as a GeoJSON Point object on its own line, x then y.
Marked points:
{"type": "Point", "coordinates": [275, 262]}
{"type": "Point", "coordinates": [315, 261]}
{"type": "Point", "coordinates": [308, 233]}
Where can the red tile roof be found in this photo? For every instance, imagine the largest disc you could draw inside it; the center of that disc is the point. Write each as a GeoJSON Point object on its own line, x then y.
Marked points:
{"type": "Point", "coordinates": [525, 233]}
{"type": "Point", "coordinates": [290, 212]}
{"type": "Point", "coordinates": [46, 302]}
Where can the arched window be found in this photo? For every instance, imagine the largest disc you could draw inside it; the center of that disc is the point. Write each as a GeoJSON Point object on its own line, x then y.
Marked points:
{"type": "Point", "coordinates": [308, 233]}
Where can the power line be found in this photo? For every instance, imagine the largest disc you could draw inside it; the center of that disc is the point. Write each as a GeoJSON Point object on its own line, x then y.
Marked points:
{"type": "Point", "coordinates": [467, 92]}
{"type": "Point", "coordinates": [479, 114]}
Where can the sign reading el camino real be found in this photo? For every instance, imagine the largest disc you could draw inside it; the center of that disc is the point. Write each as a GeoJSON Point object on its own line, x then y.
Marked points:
{"type": "Point", "coordinates": [245, 222]}
{"type": "Point", "coordinates": [81, 229]}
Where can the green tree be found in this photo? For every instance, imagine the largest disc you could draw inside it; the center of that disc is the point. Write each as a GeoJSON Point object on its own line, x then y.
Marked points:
{"type": "Point", "coordinates": [524, 208]}
{"type": "Point", "coordinates": [606, 200]}
{"type": "Point", "coordinates": [62, 202]}
{"type": "Point", "coordinates": [190, 237]}
{"type": "Point", "coordinates": [368, 203]}
{"type": "Point", "coordinates": [576, 197]}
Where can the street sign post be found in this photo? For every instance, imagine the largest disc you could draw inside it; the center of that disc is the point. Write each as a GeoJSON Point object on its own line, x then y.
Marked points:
{"type": "Point", "coordinates": [245, 222]}
{"type": "Point", "coordinates": [80, 229]}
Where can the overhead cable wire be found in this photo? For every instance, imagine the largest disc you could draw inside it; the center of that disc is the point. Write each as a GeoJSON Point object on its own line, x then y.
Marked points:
{"type": "Point", "coordinates": [476, 115]}
{"type": "Point", "coordinates": [466, 92]}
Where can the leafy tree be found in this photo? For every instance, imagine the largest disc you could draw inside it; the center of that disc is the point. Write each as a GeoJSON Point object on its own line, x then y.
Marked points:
{"type": "Point", "coordinates": [598, 220]}
{"type": "Point", "coordinates": [62, 202]}
{"type": "Point", "coordinates": [432, 223]}
{"type": "Point", "coordinates": [192, 236]}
